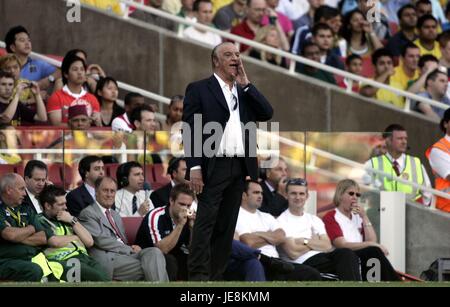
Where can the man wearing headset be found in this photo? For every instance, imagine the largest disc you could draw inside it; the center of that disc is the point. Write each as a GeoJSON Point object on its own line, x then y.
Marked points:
{"type": "Point", "coordinates": [90, 168]}
{"type": "Point", "coordinates": [177, 172]}
{"type": "Point", "coordinates": [131, 198]}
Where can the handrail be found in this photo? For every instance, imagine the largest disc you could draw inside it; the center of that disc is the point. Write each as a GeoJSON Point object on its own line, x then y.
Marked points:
{"type": "Point", "coordinates": [285, 54]}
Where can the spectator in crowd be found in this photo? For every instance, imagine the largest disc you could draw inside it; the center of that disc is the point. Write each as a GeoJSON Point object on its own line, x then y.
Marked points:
{"type": "Point", "coordinates": [73, 93]}
{"type": "Point", "coordinates": [427, 30]}
{"type": "Point", "coordinates": [444, 43]}
{"type": "Point", "coordinates": [107, 92]}
{"type": "Point", "coordinates": [122, 122]}
{"type": "Point", "coordinates": [391, 9]}
{"type": "Point", "coordinates": [12, 110]}
{"type": "Point", "coordinates": [187, 12]}
{"type": "Point", "coordinates": [154, 19]}
{"type": "Point", "coordinates": [175, 112]}
{"type": "Point", "coordinates": [383, 61]}
{"type": "Point", "coordinates": [203, 12]}
{"type": "Point", "coordinates": [436, 85]}
{"type": "Point", "coordinates": [329, 16]}
{"type": "Point", "coordinates": [439, 156]}
{"type": "Point", "coordinates": [79, 118]}
{"type": "Point", "coordinates": [407, 17]}
{"type": "Point", "coordinates": [322, 36]}
{"type": "Point", "coordinates": [307, 241]}
{"type": "Point", "coordinates": [293, 9]}
{"type": "Point", "coordinates": [93, 72]}
{"type": "Point", "coordinates": [18, 41]}
{"type": "Point", "coordinates": [10, 63]}
{"type": "Point", "coordinates": [446, 25]}
{"type": "Point", "coordinates": [349, 227]}
{"type": "Point", "coordinates": [280, 20]}
{"type": "Point", "coordinates": [90, 168]}
{"type": "Point", "coordinates": [398, 164]}
{"type": "Point", "coordinates": [250, 25]}
{"type": "Point", "coordinates": [407, 70]}
{"type": "Point", "coordinates": [353, 64]}
{"type": "Point", "coordinates": [274, 199]}
{"type": "Point", "coordinates": [271, 36]}
{"type": "Point", "coordinates": [359, 34]}
{"type": "Point", "coordinates": [69, 238]}
{"type": "Point", "coordinates": [423, 7]}
{"type": "Point", "coordinates": [177, 172]}
{"type": "Point", "coordinates": [380, 27]}
{"type": "Point", "coordinates": [230, 15]}
{"type": "Point", "coordinates": [169, 228]}
{"type": "Point", "coordinates": [132, 198]}
{"type": "Point", "coordinates": [119, 260]}
{"type": "Point", "coordinates": [307, 19]}
{"type": "Point", "coordinates": [35, 175]}
{"type": "Point", "coordinates": [311, 51]}
{"type": "Point", "coordinates": [22, 237]}
{"type": "Point", "coordinates": [262, 231]}
{"type": "Point", "coordinates": [427, 63]}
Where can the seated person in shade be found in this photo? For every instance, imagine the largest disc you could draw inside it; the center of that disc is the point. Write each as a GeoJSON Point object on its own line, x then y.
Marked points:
{"type": "Point", "coordinates": [322, 36]}
{"type": "Point", "coordinates": [12, 111]}
{"type": "Point", "coordinates": [204, 14]}
{"type": "Point", "coordinates": [122, 122]}
{"type": "Point", "coordinates": [73, 93]}
{"type": "Point", "coordinates": [35, 175]}
{"type": "Point", "coordinates": [311, 51]}
{"type": "Point", "coordinates": [174, 113]}
{"type": "Point", "coordinates": [177, 171]}
{"type": "Point", "coordinates": [427, 64]}
{"type": "Point", "coordinates": [353, 64]}
{"type": "Point", "coordinates": [10, 63]}
{"type": "Point", "coordinates": [270, 35]}
{"type": "Point", "coordinates": [274, 199]}
{"type": "Point", "coordinates": [349, 227]}
{"type": "Point", "coordinates": [427, 42]}
{"type": "Point", "coordinates": [107, 92]}
{"type": "Point", "coordinates": [79, 118]}
{"type": "Point", "coordinates": [132, 198]}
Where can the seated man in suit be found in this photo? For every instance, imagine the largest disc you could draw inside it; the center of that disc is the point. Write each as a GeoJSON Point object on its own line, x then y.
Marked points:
{"type": "Point", "coordinates": [35, 175]}
{"type": "Point", "coordinates": [274, 192]}
{"type": "Point", "coordinates": [177, 172]}
{"type": "Point", "coordinates": [90, 168]}
{"type": "Point", "coordinates": [119, 260]}
{"type": "Point", "coordinates": [133, 197]}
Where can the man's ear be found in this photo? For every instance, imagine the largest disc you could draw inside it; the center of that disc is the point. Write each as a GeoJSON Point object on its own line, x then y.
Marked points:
{"type": "Point", "coordinates": [13, 47]}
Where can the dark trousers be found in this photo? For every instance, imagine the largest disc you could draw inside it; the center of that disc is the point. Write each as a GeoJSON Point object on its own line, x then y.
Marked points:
{"type": "Point", "coordinates": [90, 269]}
{"type": "Point", "coordinates": [244, 263]}
{"type": "Point", "coordinates": [215, 223]}
{"type": "Point", "coordinates": [301, 272]}
{"type": "Point", "coordinates": [387, 272]}
{"type": "Point", "coordinates": [176, 266]}
{"type": "Point", "coordinates": [20, 270]}
{"type": "Point", "coordinates": [342, 261]}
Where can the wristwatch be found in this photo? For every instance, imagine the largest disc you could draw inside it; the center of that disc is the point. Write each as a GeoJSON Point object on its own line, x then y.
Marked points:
{"type": "Point", "coordinates": [305, 241]}
{"type": "Point", "coordinates": [51, 79]}
{"type": "Point", "coordinates": [74, 221]}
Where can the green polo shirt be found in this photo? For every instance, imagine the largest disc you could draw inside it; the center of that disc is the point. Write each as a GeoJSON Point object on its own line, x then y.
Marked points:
{"type": "Point", "coordinates": [27, 217]}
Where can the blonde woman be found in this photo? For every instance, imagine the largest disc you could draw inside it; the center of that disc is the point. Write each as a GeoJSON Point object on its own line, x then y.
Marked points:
{"type": "Point", "coordinates": [270, 35]}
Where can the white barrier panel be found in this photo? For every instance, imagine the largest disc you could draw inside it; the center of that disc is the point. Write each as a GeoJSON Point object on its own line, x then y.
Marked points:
{"type": "Point", "coordinates": [311, 203]}
{"type": "Point", "coordinates": [392, 227]}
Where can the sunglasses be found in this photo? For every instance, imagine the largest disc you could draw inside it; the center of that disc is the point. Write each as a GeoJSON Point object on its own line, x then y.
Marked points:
{"type": "Point", "coordinates": [351, 193]}
{"type": "Point", "coordinates": [297, 181]}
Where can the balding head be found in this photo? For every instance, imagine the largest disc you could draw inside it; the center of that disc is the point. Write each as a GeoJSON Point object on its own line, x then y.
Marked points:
{"type": "Point", "coordinates": [12, 189]}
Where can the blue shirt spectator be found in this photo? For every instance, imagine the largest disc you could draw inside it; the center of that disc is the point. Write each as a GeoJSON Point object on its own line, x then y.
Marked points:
{"type": "Point", "coordinates": [35, 70]}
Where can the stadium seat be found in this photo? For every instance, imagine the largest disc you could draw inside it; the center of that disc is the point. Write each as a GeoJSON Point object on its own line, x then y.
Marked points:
{"type": "Point", "coordinates": [7, 168]}
{"type": "Point", "coordinates": [159, 174]}
{"type": "Point", "coordinates": [111, 169]}
{"type": "Point", "coordinates": [131, 225]}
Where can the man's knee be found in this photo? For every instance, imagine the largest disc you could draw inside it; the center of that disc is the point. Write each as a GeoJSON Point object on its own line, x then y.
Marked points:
{"type": "Point", "coordinates": [33, 272]}
{"type": "Point", "coordinates": [153, 253]}
{"type": "Point", "coordinates": [345, 253]}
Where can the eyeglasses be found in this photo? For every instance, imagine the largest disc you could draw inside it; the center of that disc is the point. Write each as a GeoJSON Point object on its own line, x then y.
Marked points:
{"type": "Point", "coordinates": [351, 193]}
{"type": "Point", "coordinates": [297, 181]}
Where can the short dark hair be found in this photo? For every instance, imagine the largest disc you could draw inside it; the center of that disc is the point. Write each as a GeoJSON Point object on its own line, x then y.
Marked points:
{"type": "Point", "coordinates": [181, 188]}
{"type": "Point", "coordinates": [175, 98]}
{"type": "Point", "coordinates": [123, 172]}
{"type": "Point", "coordinates": [84, 165]}
{"type": "Point", "coordinates": [136, 115]}
{"type": "Point", "coordinates": [101, 84]}
{"type": "Point", "coordinates": [444, 38]}
{"type": "Point", "coordinates": [445, 119]}
{"type": "Point", "coordinates": [433, 75]}
{"type": "Point", "coordinates": [391, 128]}
{"type": "Point", "coordinates": [320, 26]}
{"type": "Point", "coordinates": [174, 163]}
{"type": "Point", "coordinates": [296, 182]}
{"type": "Point", "coordinates": [73, 52]}
{"type": "Point", "coordinates": [424, 18]}
{"type": "Point", "coordinates": [247, 184]}
{"type": "Point", "coordinates": [67, 62]}
{"type": "Point", "coordinates": [31, 165]}
{"type": "Point", "coordinates": [427, 2]}
{"type": "Point", "coordinates": [427, 58]}
{"type": "Point", "coordinates": [381, 53]}
{"type": "Point", "coordinates": [408, 45]}
{"type": "Point", "coordinates": [10, 37]}
{"type": "Point", "coordinates": [352, 57]}
{"type": "Point", "coordinates": [5, 74]}
{"type": "Point", "coordinates": [326, 12]}
{"type": "Point", "coordinates": [196, 5]}
{"type": "Point", "coordinates": [307, 44]}
{"type": "Point", "coordinates": [130, 96]}
{"type": "Point", "coordinates": [49, 194]}
{"type": "Point", "coordinates": [403, 8]}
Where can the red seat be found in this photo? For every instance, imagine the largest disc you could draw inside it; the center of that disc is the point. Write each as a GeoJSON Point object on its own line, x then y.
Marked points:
{"type": "Point", "coordinates": [7, 168]}
{"type": "Point", "coordinates": [131, 225]}
{"type": "Point", "coordinates": [159, 174]}
{"type": "Point", "coordinates": [148, 173]}
{"type": "Point", "coordinates": [111, 169]}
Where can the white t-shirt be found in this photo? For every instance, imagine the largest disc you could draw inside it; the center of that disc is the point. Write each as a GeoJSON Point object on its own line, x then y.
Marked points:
{"type": "Point", "coordinates": [339, 225]}
{"type": "Point", "coordinates": [259, 221]}
{"type": "Point", "coordinates": [121, 123]}
{"type": "Point", "coordinates": [301, 227]}
{"type": "Point", "coordinates": [208, 38]}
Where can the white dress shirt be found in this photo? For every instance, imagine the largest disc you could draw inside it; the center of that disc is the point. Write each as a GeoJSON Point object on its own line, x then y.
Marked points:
{"type": "Point", "coordinates": [34, 201]}
{"type": "Point", "coordinates": [124, 202]}
{"type": "Point", "coordinates": [440, 161]}
{"type": "Point", "coordinates": [103, 210]}
{"type": "Point", "coordinates": [91, 190]}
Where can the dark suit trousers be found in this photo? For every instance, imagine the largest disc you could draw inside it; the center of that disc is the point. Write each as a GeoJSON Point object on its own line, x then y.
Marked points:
{"type": "Point", "coordinates": [215, 223]}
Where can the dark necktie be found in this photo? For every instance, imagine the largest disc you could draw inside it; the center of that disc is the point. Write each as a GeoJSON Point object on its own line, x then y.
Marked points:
{"type": "Point", "coordinates": [395, 166]}
{"type": "Point", "coordinates": [235, 102]}
{"type": "Point", "coordinates": [134, 203]}
{"type": "Point", "coordinates": [113, 224]}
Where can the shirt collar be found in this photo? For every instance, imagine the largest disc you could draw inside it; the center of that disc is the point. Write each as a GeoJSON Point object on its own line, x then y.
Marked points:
{"type": "Point", "coordinates": [90, 189]}
{"type": "Point", "coordinates": [224, 85]}
{"type": "Point", "coordinates": [271, 188]}
{"type": "Point", "coordinates": [68, 92]}
{"type": "Point", "coordinates": [399, 160]}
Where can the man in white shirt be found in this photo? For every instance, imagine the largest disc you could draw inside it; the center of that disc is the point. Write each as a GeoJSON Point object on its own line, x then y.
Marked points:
{"type": "Point", "coordinates": [307, 241]}
{"type": "Point", "coordinates": [35, 175]}
{"type": "Point", "coordinates": [262, 231]}
{"type": "Point", "coordinates": [398, 163]}
{"type": "Point", "coordinates": [204, 13]}
{"type": "Point", "coordinates": [122, 122]}
{"type": "Point", "coordinates": [131, 198]}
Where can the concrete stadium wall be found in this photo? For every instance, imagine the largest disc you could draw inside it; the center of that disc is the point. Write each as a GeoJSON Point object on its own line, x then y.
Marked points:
{"type": "Point", "coordinates": [158, 61]}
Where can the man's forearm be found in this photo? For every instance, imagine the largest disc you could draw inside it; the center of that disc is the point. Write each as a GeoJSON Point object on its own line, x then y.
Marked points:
{"type": "Point", "coordinates": [37, 239]}
{"type": "Point", "coordinates": [169, 242]}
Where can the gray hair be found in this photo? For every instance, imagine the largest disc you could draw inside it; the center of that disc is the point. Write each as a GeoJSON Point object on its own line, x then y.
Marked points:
{"type": "Point", "coordinates": [7, 181]}
{"type": "Point", "coordinates": [341, 187]}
